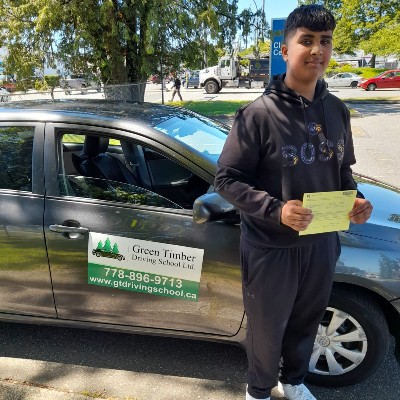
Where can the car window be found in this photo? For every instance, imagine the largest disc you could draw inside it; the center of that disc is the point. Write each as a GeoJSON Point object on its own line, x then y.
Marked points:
{"type": "Point", "coordinates": [16, 145]}
{"type": "Point", "coordinates": [103, 168]}
{"type": "Point", "coordinates": [206, 139]}
{"type": "Point", "coordinates": [105, 189]}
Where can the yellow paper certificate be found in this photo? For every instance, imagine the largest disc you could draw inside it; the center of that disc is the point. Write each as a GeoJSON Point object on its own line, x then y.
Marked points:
{"type": "Point", "coordinates": [330, 211]}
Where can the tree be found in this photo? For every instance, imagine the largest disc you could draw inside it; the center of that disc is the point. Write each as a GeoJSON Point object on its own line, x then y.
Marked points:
{"type": "Point", "coordinates": [99, 245]}
{"type": "Point", "coordinates": [253, 22]}
{"type": "Point", "coordinates": [361, 25]}
{"type": "Point", "coordinates": [115, 249]}
{"type": "Point", "coordinates": [372, 26]}
{"type": "Point", "coordinates": [107, 245]}
{"type": "Point", "coordinates": [245, 21]}
{"type": "Point", "coordinates": [120, 40]}
{"type": "Point", "coordinates": [384, 40]}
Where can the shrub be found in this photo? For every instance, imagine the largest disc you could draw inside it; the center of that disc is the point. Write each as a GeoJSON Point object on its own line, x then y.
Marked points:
{"type": "Point", "coordinates": [365, 72]}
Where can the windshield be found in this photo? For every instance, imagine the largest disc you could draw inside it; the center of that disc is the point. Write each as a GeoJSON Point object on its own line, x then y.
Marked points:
{"type": "Point", "coordinates": [202, 136]}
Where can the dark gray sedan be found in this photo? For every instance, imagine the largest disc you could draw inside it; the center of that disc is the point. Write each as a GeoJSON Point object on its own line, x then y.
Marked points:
{"type": "Point", "coordinates": [108, 220]}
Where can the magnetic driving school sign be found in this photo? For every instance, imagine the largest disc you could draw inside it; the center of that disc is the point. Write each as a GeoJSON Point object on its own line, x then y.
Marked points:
{"type": "Point", "coordinates": [277, 65]}
{"type": "Point", "coordinates": [142, 266]}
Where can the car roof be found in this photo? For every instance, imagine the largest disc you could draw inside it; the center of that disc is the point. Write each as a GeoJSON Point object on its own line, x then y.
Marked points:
{"type": "Point", "coordinates": [139, 117]}
{"type": "Point", "coordinates": [106, 110]}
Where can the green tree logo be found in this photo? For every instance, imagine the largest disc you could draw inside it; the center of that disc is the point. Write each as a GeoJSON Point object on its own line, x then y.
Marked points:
{"type": "Point", "coordinates": [115, 249]}
{"type": "Point", "coordinates": [108, 250]}
{"type": "Point", "coordinates": [107, 246]}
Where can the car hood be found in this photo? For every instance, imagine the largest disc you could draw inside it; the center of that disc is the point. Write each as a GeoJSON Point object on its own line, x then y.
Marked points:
{"type": "Point", "coordinates": [384, 223]}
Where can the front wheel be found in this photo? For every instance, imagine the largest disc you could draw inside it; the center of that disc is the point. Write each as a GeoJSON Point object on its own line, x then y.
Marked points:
{"type": "Point", "coordinates": [352, 340]}
{"type": "Point", "coordinates": [354, 84]}
{"type": "Point", "coordinates": [371, 87]}
{"type": "Point", "coordinates": [212, 87]}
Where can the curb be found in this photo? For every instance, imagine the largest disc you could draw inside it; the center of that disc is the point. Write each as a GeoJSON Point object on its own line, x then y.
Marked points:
{"type": "Point", "coordinates": [371, 101]}
{"type": "Point", "coordinates": [15, 390]}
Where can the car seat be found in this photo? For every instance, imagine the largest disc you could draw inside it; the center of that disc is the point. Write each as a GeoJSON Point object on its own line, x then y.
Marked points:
{"type": "Point", "coordinates": [96, 163]}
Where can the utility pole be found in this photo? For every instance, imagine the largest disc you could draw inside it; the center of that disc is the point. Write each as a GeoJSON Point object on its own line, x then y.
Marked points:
{"type": "Point", "coordinates": [262, 21]}
{"type": "Point", "coordinates": [162, 78]}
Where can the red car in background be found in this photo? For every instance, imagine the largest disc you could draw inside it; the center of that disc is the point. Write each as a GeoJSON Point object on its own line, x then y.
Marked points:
{"type": "Point", "coordinates": [385, 80]}
{"type": "Point", "coordinates": [9, 86]}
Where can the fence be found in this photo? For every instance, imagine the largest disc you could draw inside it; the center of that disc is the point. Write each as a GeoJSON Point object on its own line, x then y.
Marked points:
{"type": "Point", "coordinates": [126, 92]}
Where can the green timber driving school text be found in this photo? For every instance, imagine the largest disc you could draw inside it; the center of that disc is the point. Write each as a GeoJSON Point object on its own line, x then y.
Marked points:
{"type": "Point", "coordinates": [142, 266]}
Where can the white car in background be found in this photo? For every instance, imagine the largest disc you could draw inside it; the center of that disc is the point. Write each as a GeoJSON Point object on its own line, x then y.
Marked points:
{"type": "Point", "coordinates": [344, 79]}
{"type": "Point", "coordinates": [4, 95]}
{"type": "Point", "coordinates": [81, 83]}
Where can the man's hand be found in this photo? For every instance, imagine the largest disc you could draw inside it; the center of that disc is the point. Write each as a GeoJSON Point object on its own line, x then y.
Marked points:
{"type": "Point", "coordinates": [361, 211]}
{"type": "Point", "coordinates": [295, 215]}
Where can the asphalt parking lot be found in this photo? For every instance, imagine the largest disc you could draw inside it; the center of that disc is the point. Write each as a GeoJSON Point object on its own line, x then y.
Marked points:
{"type": "Point", "coordinates": [47, 363]}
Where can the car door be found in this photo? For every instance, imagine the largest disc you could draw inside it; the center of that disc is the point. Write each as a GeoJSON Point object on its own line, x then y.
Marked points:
{"type": "Point", "coordinates": [25, 284]}
{"type": "Point", "coordinates": [337, 80]}
{"type": "Point", "coordinates": [386, 80]}
{"type": "Point", "coordinates": [396, 80]}
{"type": "Point", "coordinates": [127, 255]}
{"type": "Point", "coordinates": [346, 79]}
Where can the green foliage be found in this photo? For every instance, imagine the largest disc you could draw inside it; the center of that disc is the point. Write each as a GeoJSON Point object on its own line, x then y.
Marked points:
{"type": "Point", "coordinates": [371, 72]}
{"type": "Point", "coordinates": [365, 72]}
{"type": "Point", "coordinates": [211, 108]}
{"type": "Point", "coordinates": [118, 40]}
{"type": "Point", "coordinates": [263, 47]}
{"type": "Point", "coordinates": [41, 85]}
{"type": "Point", "coordinates": [16, 145]}
{"type": "Point", "coordinates": [52, 80]}
{"type": "Point", "coordinates": [332, 63]}
{"type": "Point", "coordinates": [253, 23]}
{"type": "Point", "coordinates": [372, 26]}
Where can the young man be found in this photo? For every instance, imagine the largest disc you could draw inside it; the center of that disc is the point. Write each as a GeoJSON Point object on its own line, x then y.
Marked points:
{"type": "Point", "coordinates": [294, 139]}
{"type": "Point", "coordinates": [177, 87]}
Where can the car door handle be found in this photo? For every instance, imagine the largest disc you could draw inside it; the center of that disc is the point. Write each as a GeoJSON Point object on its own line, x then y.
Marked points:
{"type": "Point", "coordinates": [181, 182]}
{"type": "Point", "coordinates": [69, 229]}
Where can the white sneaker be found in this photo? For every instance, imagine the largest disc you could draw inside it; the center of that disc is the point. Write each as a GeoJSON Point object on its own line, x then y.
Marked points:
{"type": "Point", "coordinates": [295, 392]}
{"type": "Point", "coordinates": [250, 397]}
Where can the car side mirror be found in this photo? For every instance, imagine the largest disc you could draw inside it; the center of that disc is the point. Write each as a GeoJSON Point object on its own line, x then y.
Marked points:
{"type": "Point", "coordinates": [213, 207]}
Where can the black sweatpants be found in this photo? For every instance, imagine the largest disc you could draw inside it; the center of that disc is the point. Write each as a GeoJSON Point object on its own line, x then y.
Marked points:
{"type": "Point", "coordinates": [285, 294]}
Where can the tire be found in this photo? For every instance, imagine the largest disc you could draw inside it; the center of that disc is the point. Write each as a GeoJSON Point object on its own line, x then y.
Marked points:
{"type": "Point", "coordinates": [371, 87]}
{"type": "Point", "coordinates": [212, 87]}
{"type": "Point", "coordinates": [354, 84]}
{"type": "Point", "coordinates": [349, 313]}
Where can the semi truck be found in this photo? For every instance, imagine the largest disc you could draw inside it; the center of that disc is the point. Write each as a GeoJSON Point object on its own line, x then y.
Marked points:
{"type": "Point", "coordinates": [229, 73]}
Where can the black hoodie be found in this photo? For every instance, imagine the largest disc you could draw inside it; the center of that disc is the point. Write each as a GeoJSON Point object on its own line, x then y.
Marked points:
{"type": "Point", "coordinates": [280, 147]}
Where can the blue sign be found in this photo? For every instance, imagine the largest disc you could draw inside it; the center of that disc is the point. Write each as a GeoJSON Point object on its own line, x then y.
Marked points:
{"type": "Point", "coordinates": [276, 64]}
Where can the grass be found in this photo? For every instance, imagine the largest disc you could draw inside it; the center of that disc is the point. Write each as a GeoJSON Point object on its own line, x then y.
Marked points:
{"type": "Point", "coordinates": [211, 108]}
{"type": "Point", "coordinates": [229, 107]}
{"type": "Point", "coordinates": [378, 99]}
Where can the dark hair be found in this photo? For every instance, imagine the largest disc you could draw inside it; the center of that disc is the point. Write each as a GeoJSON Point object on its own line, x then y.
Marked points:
{"type": "Point", "coordinates": [313, 17]}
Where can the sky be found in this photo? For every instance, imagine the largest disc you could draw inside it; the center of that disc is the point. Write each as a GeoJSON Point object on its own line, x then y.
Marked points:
{"type": "Point", "coordinates": [273, 8]}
